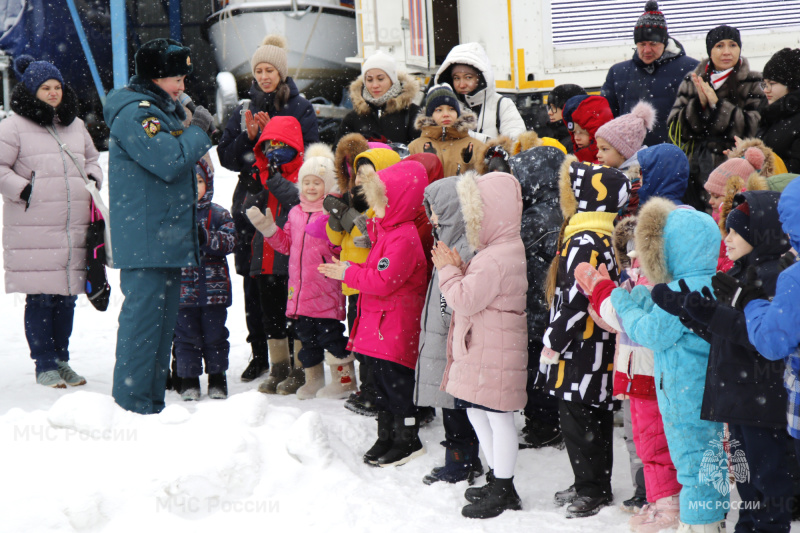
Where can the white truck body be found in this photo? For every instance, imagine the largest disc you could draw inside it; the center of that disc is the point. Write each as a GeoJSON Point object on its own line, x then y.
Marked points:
{"type": "Point", "coordinates": [535, 45]}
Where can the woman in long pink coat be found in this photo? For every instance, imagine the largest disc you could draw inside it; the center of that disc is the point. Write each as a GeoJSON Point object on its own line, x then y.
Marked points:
{"type": "Point", "coordinates": [487, 348]}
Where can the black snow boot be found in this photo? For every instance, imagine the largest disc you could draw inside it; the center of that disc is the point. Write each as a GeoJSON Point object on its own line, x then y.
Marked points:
{"type": "Point", "coordinates": [361, 403]}
{"type": "Point", "coordinates": [384, 442]}
{"type": "Point", "coordinates": [217, 386]}
{"type": "Point", "coordinates": [535, 434]}
{"type": "Point", "coordinates": [173, 379]}
{"type": "Point", "coordinates": [476, 494]}
{"type": "Point", "coordinates": [405, 444]}
{"type": "Point", "coordinates": [259, 362]}
{"type": "Point", "coordinates": [502, 496]}
{"type": "Point", "coordinates": [584, 506]}
{"type": "Point", "coordinates": [425, 415]}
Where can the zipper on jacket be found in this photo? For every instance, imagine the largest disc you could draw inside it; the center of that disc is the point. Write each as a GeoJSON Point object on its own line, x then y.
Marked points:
{"type": "Point", "coordinates": [444, 132]}
{"type": "Point", "coordinates": [69, 208]}
{"type": "Point", "coordinates": [302, 249]}
{"type": "Point", "coordinates": [380, 321]}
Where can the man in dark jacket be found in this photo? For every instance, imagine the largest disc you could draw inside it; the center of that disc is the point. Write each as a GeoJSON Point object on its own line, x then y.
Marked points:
{"type": "Point", "coordinates": [152, 195]}
{"type": "Point", "coordinates": [653, 74]}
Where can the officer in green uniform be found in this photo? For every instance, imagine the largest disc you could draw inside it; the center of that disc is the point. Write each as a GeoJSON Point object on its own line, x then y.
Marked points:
{"type": "Point", "coordinates": [152, 195]}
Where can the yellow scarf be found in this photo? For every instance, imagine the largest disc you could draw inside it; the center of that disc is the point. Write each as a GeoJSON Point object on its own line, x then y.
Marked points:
{"type": "Point", "coordinates": [596, 221]}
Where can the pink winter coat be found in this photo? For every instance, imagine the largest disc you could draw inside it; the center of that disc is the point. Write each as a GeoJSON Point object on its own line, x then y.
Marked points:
{"type": "Point", "coordinates": [45, 246]}
{"type": "Point", "coordinates": [392, 281]}
{"type": "Point", "coordinates": [487, 346]}
{"type": "Point", "coordinates": [310, 293]}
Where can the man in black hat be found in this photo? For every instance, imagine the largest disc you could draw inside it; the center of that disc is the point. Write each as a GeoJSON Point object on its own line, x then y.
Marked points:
{"type": "Point", "coordinates": [654, 74]}
{"type": "Point", "coordinates": [152, 195]}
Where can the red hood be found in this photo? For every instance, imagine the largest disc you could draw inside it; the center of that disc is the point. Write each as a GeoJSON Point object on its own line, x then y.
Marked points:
{"type": "Point", "coordinates": [432, 164]}
{"type": "Point", "coordinates": [405, 184]}
{"type": "Point", "coordinates": [287, 130]}
{"type": "Point", "coordinates": [591, 113]}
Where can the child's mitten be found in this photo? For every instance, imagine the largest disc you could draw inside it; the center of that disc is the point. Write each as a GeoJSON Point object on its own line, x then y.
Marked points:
{"type": "Point", "coordinates": [588, 277]}
{"type": "Point", "coordinates": [669, 300]}
{"type": "Point", "coordinates": [466, 153]}
{"type": "Point", "coordinates": [264, 223]}
{"type": "Point", "coordinates": [701, 307]}
{"type": "Point", "coordinates": [549, 356]}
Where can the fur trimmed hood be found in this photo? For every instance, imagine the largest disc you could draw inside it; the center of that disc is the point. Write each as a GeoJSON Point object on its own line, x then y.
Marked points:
{"type": "Point", "coordinates": [463, 124]}
{"type": "Point", "coordinates": [348, 148]}
{"type": "Point", "coordinates": [399, 189]}
{"type": "Point", "coordinates": [525, 141]}
{"type": "Point", "coordinates": [675, 242]}
{"type": "Point", "coordinates": [768, 168]}
{"type": "Point", "coordinates": [25, 103]}
{"type": "Point", "coordinates": [584, 187]}
{"type": "Point", "coordinates": [623, 233]}
{"type": "Point", "coordinates": [735, 185]}
{"type": "Point", "coordinates": [406, 97]}
{"type": "Point", "coordinates": [491, 206]}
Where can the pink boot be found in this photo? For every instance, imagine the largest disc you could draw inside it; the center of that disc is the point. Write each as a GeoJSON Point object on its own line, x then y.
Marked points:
{"type": "Point", "coordinates": [666, 516]}
{"type": "Point", "coordinates": [645, 513]}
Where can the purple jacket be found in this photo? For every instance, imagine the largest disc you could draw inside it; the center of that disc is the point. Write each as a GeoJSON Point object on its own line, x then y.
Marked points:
{"type": "Point", "coordinates": [310, 293]}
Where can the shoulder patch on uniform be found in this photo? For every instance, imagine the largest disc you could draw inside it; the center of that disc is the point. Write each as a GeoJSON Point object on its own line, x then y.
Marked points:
{"type": "Point", "coordinates": [176, 133]}
{"type": "Point", "coordinates": [144, 103]}
{"type": "Point", "coordinates": [151, 126]}
{"type": "Point", "coordinates": [383, 264]}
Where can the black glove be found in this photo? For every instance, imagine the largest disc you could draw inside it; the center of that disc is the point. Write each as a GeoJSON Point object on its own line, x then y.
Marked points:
{"type": "Point", "coordinates": [701, 307]}
{"type": "Point", "coordinates": [274, 170]}
{"type": "Point", "coordinates": [25, 195]}
{"type": "Point", "coordinates": [96, 183]}
{"type": "Point", "coordinates": [202, 119]}
{"type": "Point", "coordinates": [736, 293]}
{"type": "Point", "coordinates": [669, 300]}
{"type": "Point", "coordinates": [336, 207]}
{"type": "Point", "coordinates": [251, 182]}
{"type": "Point", "coordinates": [466, 153]}
{"type": "Point", "coordinates": [202, 234]}
{"type": "Point", "coordinates": [428, 147]}
{"type": "Point", "coordinates": [787, 260]}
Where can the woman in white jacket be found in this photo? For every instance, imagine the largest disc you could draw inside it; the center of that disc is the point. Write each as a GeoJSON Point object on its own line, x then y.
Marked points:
{"type": "Point", "coordinates": [468, 70]}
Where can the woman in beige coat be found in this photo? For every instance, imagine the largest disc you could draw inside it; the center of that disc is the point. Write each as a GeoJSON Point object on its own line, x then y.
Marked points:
{"type": "Point", "coordinates": [46, 212]}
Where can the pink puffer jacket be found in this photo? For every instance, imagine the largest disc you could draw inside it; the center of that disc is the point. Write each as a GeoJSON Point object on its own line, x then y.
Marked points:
{"type": "Point", "coordinates": [487, 347]}
{"type": "Point", "coordinates": [310, 293]}
{"type": "Point", "coordinates": [393, 280]}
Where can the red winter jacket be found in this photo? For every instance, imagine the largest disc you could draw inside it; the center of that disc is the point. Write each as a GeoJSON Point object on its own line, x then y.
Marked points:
{"type": "Point", "coordinates": [281, 192]}
{"type": "Point", "coordinates": [392, 280]}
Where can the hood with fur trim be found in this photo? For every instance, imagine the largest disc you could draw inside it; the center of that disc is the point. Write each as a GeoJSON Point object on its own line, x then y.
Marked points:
{"type": "Point", "coordinates": [623, 233]}
{"type": "Point", "coordinates": [584, 187]}
{"type": "Point", "coordinates": [491, 206]}
{"type": "Point", "coordinates": [736, 185]}
{"type": "Point", "coordinates": [441, 197]}
{"type": "Point", "coordinates": [475, 56]}
{"type": "Point", "coordinates": [318, 161]}
{"type": "Point", "coordinates": [399, 103]}
{"type": "Point", "coordinates": [460, 128]}
{"type": "Point", "coordinates": [25, 103]}
{"type": "Point", "coordinates": [398, 188]}
{"type": "Point", "coordinates": [347, 149]}
{"type": "Point", "coordinates": [768, 168]}
{"type": "Point", "coordinates": [675, 242]}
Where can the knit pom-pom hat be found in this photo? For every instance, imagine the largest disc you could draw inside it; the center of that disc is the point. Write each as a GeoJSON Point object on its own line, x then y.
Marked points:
{"type": "Point", "coordinates": [651, 26]}
{"type": "Point", "coordinates": [318, 161]}
{"type": "Point", "coordinates": [34, 73]}
{"type": "Point", "coordinates": [752, 161]}
{"type": "Point", "coordinates": [626, 133]}
{"type": "Point", "coordinates": [272, 51]}
{"type": "Point", "coordinates": [441, 94]}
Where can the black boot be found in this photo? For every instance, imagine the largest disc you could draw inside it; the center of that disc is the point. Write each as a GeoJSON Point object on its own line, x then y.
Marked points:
{"type": "Point", "coordinates": [425, 415]}
{"type": "Point", "coordinates": [217, 386]}
{"type": "Point", "coordinates": [361, 404]}
{"type": "Point", "coordinates": [384, 442]}
{"type": "Point", "coordinates": [259, 362]}
{"type": "Point", "coordinates": [563, 497]}
{"type": "Point", "coordinates": [174, 380]}
{"type": "Point", "coordinates": [535, 434]}
{"type": "Point", "coordinates": [405, 445]}
{"type": "Point", "coordinates": [478, 493]}
{"type": "Point", "coordinates": [190, 389]}
{"type": "Point", "coordinates": [584, 506]}
{"type": "Point", "coordinates": [501, 496]}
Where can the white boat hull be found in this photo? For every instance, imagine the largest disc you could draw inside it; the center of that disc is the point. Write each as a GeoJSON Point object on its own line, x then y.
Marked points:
{"type": "Point", "coordinates": [319, 37]}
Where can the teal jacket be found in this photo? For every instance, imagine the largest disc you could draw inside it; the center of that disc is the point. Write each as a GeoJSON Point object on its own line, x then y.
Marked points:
{"type": "Point", "coordinates": [152, 188]}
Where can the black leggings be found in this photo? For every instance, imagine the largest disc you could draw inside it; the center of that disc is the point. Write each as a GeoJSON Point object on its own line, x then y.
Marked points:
{"type": "Point", "coordinates": [272, 292]}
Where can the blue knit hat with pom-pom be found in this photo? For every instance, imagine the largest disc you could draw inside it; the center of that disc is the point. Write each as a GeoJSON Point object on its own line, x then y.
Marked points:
{"type": "Point", "coordinates": [34, 73]}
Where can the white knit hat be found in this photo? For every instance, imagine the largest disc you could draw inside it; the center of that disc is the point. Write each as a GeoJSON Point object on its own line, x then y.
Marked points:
{"type": "Point", "coordinates": [318, 162]}
{"type": "Point", "coordinates": [382, 61]}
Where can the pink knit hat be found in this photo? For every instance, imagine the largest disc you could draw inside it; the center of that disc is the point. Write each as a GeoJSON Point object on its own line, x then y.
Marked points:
{"type": "Point", "coordinates": [752, 161]}
{"type": "Point", "coordinates": [626, 133]}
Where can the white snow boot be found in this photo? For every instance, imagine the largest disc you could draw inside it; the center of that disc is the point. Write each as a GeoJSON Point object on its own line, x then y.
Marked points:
{"type": "Point", "coordinates": [343, 377]}
{"type": "Point", "coordinates": [279, 367]}
{"type": "Point", "coordinates": [315, 381]}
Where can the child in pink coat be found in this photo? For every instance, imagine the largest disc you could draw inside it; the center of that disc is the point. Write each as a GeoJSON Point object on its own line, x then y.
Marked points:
{"type": "Point", "coordinates": [315, 303]}
{"type": "Point", "coordinates": [392, 283]}
{"type": "Point", "coordinates": [487, 347]}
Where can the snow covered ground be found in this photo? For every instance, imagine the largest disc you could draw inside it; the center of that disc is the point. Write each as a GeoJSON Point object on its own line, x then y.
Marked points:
{"type": "Point", "coordinates": [74, 461]}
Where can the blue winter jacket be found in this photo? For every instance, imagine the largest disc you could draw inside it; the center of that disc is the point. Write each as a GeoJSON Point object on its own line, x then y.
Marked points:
{"type": "Point", "coordinates": [774, 327]}
{"type": "Point", "coordinates": [665, 173]}
{"type": "Point", "coordinates": [630, 81]}
{"type": "Point", "coordinates": [152, 189]}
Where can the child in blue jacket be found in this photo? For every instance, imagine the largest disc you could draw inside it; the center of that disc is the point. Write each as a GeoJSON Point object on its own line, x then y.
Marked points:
{"type": "Point", "coordinates": [200, 334]}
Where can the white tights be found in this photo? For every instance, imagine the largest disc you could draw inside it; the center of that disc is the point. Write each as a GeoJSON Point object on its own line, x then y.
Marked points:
{"type": "Point", "coordinates": [497, 435]}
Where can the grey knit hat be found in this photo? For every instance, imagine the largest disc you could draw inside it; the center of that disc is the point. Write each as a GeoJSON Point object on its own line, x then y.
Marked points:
{"type": "Point", "coordinates": [272, 51]}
